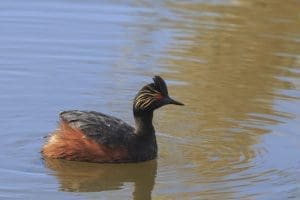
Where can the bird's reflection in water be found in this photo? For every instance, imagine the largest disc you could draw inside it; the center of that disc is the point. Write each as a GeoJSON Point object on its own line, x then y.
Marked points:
{"type": "Point", "coordinates": [94, 177]}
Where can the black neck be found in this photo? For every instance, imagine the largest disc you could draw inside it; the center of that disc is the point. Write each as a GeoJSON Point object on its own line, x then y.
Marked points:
{"type": "Point", "coordinates": [143, 123]}
{"type": "Point", "coordinates": [146, 146]}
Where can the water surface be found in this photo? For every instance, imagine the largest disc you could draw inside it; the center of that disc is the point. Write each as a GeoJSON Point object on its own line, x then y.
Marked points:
{"type": "Point", "coordinates": [234, 63]}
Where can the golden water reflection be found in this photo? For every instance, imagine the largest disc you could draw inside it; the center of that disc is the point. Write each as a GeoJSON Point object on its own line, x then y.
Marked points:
{"type": "Point", "coordinates": [235, 61]}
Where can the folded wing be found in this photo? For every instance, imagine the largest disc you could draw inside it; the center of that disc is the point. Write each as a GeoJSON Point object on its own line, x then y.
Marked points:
{"type": "Point", "coordinates": [104, 129]}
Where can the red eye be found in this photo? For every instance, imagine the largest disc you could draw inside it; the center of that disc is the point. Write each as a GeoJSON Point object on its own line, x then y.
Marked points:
{"type": "Point", "coordinates": [158, 97]}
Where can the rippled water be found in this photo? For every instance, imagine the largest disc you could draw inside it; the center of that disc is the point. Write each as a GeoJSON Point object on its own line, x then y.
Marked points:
{"type": "Point", "coordinates": [234, 63]}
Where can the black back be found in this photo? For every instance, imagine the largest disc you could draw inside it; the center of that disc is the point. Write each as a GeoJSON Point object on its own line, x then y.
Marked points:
{"type": "Point", "coordinates": [104, 129]}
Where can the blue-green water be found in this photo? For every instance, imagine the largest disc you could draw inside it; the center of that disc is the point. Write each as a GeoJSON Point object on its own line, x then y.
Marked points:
{"type": "Point", "coordinates": [235, 64]}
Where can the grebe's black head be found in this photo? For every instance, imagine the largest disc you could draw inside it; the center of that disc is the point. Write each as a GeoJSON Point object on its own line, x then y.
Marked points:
{"type": "Point", "coordinates": [153, 96]}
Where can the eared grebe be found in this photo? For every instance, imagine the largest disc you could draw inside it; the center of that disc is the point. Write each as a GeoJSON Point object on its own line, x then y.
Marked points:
{"type": "Point", "coordinates": [95, 137]}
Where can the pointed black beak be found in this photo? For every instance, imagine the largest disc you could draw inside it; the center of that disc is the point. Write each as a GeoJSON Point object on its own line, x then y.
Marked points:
{"type": "Point", "coordinates": [169, 100]}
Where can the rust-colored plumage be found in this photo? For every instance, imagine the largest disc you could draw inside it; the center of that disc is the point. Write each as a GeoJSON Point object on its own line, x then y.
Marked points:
{"type": "Point", "coordinates": [72, 144]}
